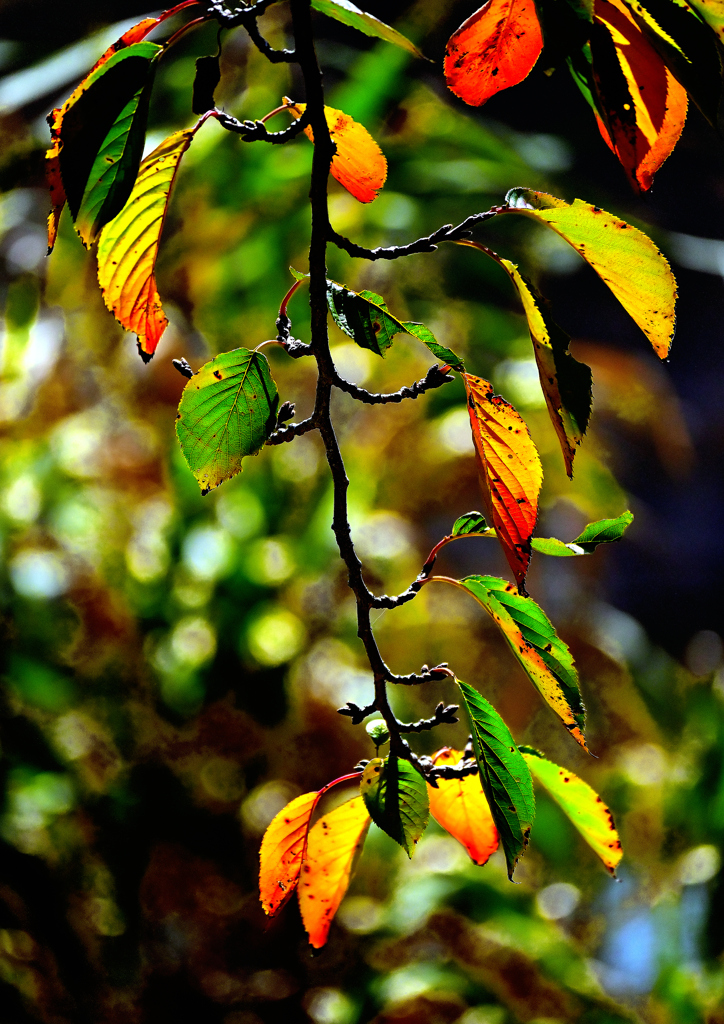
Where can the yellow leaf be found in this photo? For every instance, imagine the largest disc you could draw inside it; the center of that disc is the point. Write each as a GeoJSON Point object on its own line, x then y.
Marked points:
{"type": "Point", "coordinates": [461, 808]}
{"type": "Point", "coordinates": [282, 850]}
{"type": "Point", "coordinates": [333, 845]}
{"type": "Point", "coordinates": [359, 164]}
{"type": "Point", "coordinates": [128, 246]}
{"type": "Point", "coordinates": [510, 471]}
{"type": "Point", "coordinates": [581, 804]}
{"type": "Point", "coordinates": [624, 257]}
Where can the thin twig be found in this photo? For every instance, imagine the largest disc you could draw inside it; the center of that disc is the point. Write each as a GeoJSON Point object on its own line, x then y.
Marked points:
{"type": "Point", "coordinates": [255, 131]}
{"type": "Point", "coordinates": [446, 233]}
{"type": "Point", "coordinates": [434, 378]}
{"type": "Point", "coordinates": [291, 431]}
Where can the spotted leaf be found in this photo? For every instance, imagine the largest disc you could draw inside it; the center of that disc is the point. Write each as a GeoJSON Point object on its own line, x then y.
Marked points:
{"type": "Point", "coordinates": [461, 808]}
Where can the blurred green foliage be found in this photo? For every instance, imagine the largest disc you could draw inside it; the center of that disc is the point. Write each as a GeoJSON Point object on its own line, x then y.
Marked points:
{"type": "Point", "coordinates": [173, 663]}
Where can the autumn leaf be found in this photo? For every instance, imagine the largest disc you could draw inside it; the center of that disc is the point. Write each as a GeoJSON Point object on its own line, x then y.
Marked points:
{"type": "Point", "coordinates": [333, 844]}
{"type": "Point", "coordinates": [228, 409]}
{"type": "Point", "coordinates": [359, 165]}
{"type": "Point", "coordinates": [566, 383]}
{"type": "Point", "coordinates": [348, 14]}
{"type": "Point", "coordinates": [544, 657]}
{"type": "Point", "coordinates": [461, 808]}
{"type": "Point", "coordinates": [280, 857]}
{"type": "Point", "coordinates": [624, 257]}
{"type": "Point", "coordinates": [581, 804]}
{"type": "Point", "coordinates": [509, 469]}
{"type": "Point", "coordinates": [128, 246]}
{"type": "Point", "coordinates": [495, 48]}
{"type": "Point", "coordinates": [395, 795]}
{"type": "Point", "coordinates": [659, 101]}
{"type": "Point", "coordinates": [364, 316]}
{"type": "Point", "coordinates": [504, 775]}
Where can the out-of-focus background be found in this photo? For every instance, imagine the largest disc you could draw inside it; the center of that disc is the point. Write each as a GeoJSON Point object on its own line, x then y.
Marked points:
{"type": "Point", "coordinates": [172, 663]}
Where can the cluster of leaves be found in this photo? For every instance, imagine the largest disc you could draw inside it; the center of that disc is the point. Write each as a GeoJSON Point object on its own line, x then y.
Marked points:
{"type": "Point", "coordinates": [636, 62]}
{"type": "Point", "coordinates": [230, 409]}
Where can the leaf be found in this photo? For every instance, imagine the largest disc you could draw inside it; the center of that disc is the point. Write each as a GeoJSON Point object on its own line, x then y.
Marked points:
{"type": "Point", "coordinates": [495, 48]}
{"type": "Point", "coordinates": [605, 531]}
{"type": "Point", "coordinates": [504, 775]}
{"type": "Point", "coordinates": [359, 165]}
{"type": "Point", "coordinates": [395, 795]}
{"type": "Point", "coordinates": [115, 167]}
{"type": "Point", "coordinates": [461, 808]}
{"type": "Point", "coordinates": [332, 846]}
{"type": "Point", "coordinates": [228, 409]}
{"type": "Point", "coordinates": [566, 383]}
{"type": "Point", "coordinates": [509, 469]}
{"type": "Point", "coordinates": [280, 857]}
{"type": "Point", "coordinates": [531, 637]}
{"type": "Point", "coordinates": [128, 246]}
{"type": "Point", "coordinates": [470, 523]}
{"type": "Point", "coordinates": [712, 12]}
{"type": "Point", "coordinates": [365, 317]}
{"type": "Point", "coordinates": [348, 14]}
{"type": "Point", "coordinates": [624, 257]}
{"type": "Point", "coordinates": [659, 101]}
{"type": "Point", "coordinates": [83, 126]}
{"type": "Point", "coordinates": [581, 804]}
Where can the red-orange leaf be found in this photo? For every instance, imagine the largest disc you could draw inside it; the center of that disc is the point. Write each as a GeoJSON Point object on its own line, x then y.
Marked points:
{"type": "Point", "coordinates": [282, 849]}
{"type": "Point", "coordinates": [461, 807]}
{"type": "Point", "coordinates": [359, 164]}
{"type": "Point", "coordinates": [494, 49]}
{"type": "Point", "coordinates": [510, 471]}
{"type": "Point", "coordinates": [333, 844]}
{"type": "Point", "coordinates": [659, 101]}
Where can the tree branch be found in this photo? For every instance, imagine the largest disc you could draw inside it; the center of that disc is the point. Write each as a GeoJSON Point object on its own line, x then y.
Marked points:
{"type": "Point", "coordinates": [255, 131]}
{"type": "Point", "coordinates": [446, 233]}
{"type": "Point", "coordinates": [292, 430]}
{"type": "Point", "coordinates": [443, 716]}
{"type": "Point", "coordinates": [433, 379]}
{"type": "Point", "coordinates": [272, 55]}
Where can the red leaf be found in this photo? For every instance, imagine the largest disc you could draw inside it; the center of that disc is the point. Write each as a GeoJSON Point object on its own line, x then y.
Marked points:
{"type": "Point", "coordinates": [495, 48]}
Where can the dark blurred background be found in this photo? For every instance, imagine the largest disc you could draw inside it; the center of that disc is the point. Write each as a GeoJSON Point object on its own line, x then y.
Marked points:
{"type": "Point", "coordinates": [172, 663]}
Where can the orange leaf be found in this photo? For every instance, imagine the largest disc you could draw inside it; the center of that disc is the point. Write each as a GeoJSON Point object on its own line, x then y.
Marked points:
{"type": "Point", "coordinates": [510, 471]}
{"type": "Point", "coordinates": [332, 847]}
{"type": "Point", "coordinates": [359, 164]}
{"type": "Point", "coordinates": [128, 245]}
{"type": "Point", "coordinates": [282, 849]}
{"type": "Point", "coordinates": [460, 806]}
{"type": "Point", "coordinates": [494, 49]}
{"type": "Point", "coordinates": [659, 101]}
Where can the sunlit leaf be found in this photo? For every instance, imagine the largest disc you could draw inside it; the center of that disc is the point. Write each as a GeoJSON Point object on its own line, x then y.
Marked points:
{"type": "Point", "coordinates": [566, 383]}
{"type": "Point", "coordinates": [332, 846]}
{"type": "Point", "coordinates": [582, 805]}
{"type": "Point", "coordinates": [359, 165]}
{"type": "Point", "coordinates": [395, 795]}
{"type": "Point", "coordinates": [365, 317]}
{"type": "Point", "coordinates": [659, 101]}
{"type": "Point", "coordinates": [495, 48]}
{"type": "Point", "coordinates": [510, 471]}
{"type": "Point", "coordinates": [470, 523]}
{"type": "Point", "coordinates": [348, 14]}
{"type": "Point", "coordinates": [712, 12]}
{"type": "Point", "coordinates": [546, 660]}
{"type": "Point", "coordinates": [280, 857]}
{"type": "Point", "coordinates": [128, 246]}
{"type": "Point", "coordinates": [624, 257]}
{"type": "Point", "coordinates": [504, 775]}
{"type": "Point", "coordinates": [461, 808]}
{"type": "Point", "coordinates": [228, 409]}
{"type": "Point", "coordinates": [605, 531]}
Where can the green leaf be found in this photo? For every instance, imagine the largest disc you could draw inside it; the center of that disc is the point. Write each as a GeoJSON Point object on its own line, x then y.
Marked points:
{"type": "Point", "coordinates": [297, 274]}
{"type": "Point", "coordinates": [605, 531]}
{"type": "Point", "coordinates": [425, 335]}
{"type": "Point", "coordinates": [504, 775]}
{"type": "Point", "coordinates": [471, 522]}
{"type": "Point", "coordinates": [115, 167]}
{"type": "Point", "coordinates": [364, 316]}
{"type": "Point", "coordinates": [395, 795]}
{"type": "Point", "coordinates": [712, 12]}
{"type": "Point", "coordinates": [581, 804]}
{"type": "Point", "coordinates": [348, 14]}
{"type": "Point", "coordinates": [88, 124]}
{"type": "Point", "coordinates": [544, 657]}
{"type": "Point", "coordinates": [228, 409]}
{"type": "Point", "coordinates": [624, 257]}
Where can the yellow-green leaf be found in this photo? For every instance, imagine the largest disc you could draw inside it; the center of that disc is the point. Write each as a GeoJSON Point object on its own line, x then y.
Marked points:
{"type": "Point", "coordinates": [395, 795]}
{"type": "Point", "coordinates": [624, 257]}
{"type": "Point", "coordinates": [581, 804]}
{"type": "Point", "coordinates": [348, 14]}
